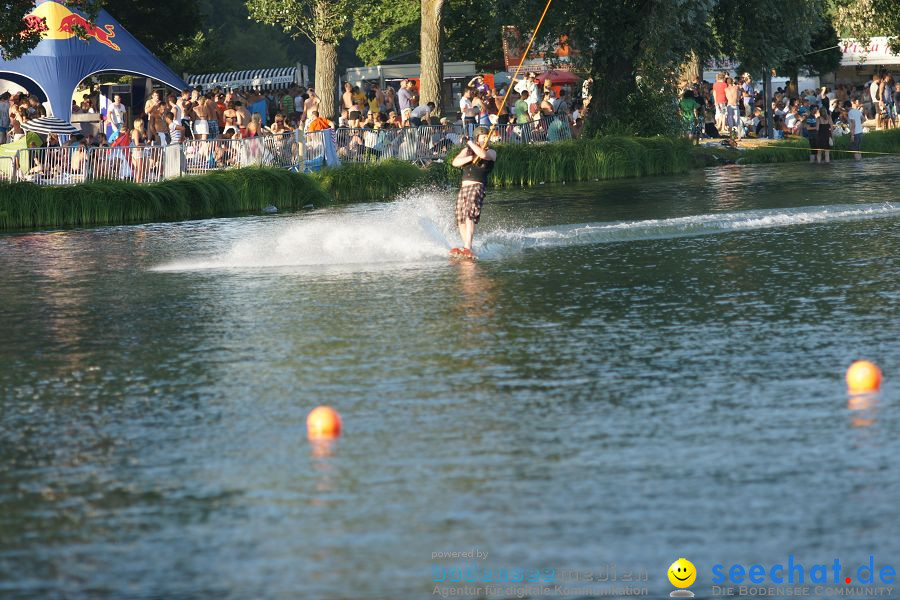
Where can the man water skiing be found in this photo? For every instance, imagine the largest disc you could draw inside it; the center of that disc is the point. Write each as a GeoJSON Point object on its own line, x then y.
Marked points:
{"type": "Point", "coordinates": [471, 192]}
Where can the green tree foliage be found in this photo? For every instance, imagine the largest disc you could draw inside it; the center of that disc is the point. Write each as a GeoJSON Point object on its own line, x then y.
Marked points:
{"type": "Point", "coordinates": [864, 19]}
{"type": "Point", "coordinates": [165, 27]}
{"type": "Point", "coordinates": [472, 31]}
{"type": "Point", "coordinates": [19, 36]}
{"type": "Point", "coordinates": [768, 33]}
{"type": "Point", "coordinates": [824, 57]}
{"type": "Point", "coordinates": [633, 48]}
{"type": "Point", "coordinates": [323, 22]}
{"type": "Point", "coordinates": [390, 29]}
{"type": "Point", "coordinates": [317, 20]}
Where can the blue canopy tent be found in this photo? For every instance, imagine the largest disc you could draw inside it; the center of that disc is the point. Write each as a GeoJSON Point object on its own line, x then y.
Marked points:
{"type": "Point", "coordinates": [62, 60]}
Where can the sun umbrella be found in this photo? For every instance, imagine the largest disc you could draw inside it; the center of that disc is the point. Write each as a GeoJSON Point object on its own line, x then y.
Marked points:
{"type": "Point", "coordinates": [501, 78]}
{"type": "Point", "coordinates": [47, 125]}
{"type": "Point", "coordinates": [558, 77]}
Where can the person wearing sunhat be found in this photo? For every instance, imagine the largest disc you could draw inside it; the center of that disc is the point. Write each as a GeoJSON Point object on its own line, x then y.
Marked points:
{"type": "Point", "coordinates": [476, 161]}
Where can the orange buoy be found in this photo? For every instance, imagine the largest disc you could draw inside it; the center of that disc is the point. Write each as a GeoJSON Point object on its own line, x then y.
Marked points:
{"type": "Point", "coordinates": [323, 422]}
{"type": "Point", "coordinates": [863, 377]}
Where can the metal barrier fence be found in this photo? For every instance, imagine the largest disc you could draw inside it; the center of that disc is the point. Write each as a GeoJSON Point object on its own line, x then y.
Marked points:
{"type": "Point", "coordinates": [546, 129]}
{"type": "Point", "coordinates": [294, 150]}
{"type": "Point", "coordinates": [414, 144]}
{"type": "Point", "coordinates": [77, 164]}
{"type": "Point", "coordinates": [7, 168]}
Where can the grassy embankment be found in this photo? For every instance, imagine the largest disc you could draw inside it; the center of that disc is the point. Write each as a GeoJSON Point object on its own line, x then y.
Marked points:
{"type": "Point", "coordinates": [242, 191]}
{"type": "Point", "coordinates": [797, 149]}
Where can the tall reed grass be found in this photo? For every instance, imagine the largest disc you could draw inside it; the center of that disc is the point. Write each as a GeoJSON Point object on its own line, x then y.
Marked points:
{"type": "Point", "coordinates": [26, 205]}
{"type": "Point", "coordinates": [796, 150]}
{"type": "Point", "coordinates": [609, 157]}
{"type": "Point", "coordinates": [357, 182]}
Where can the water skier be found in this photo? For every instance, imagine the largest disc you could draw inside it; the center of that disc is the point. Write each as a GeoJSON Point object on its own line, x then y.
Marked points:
{"type": "Point", "coordinates": [471, 192]}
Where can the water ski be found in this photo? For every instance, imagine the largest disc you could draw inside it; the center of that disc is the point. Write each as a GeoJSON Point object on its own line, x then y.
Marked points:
{"type": "Point", "coordinates": [462, 253]}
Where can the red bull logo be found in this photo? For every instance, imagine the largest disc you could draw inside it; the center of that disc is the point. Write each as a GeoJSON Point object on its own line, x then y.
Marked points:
{"type": "Point", "coordinates": [56, 22]}
{"type": "Point", "coordinates": [72, 23]}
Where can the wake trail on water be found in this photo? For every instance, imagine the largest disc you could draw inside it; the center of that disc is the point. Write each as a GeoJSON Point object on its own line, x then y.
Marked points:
{"type": "Point", "coordinates": [421, 230]}
{"type": "Point", "coordinates": [499, 243]}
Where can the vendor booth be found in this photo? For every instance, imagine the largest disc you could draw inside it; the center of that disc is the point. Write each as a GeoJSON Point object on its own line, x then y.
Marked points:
{"type": "Point", "coordinates": [456, 76]}
{"type": "Point", "coordinates": [254, 79]}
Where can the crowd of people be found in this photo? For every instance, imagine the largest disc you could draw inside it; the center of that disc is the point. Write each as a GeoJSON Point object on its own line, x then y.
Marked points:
{"type": "Point", "coordinates": [735, 108]}
{"type": "Point", "coordinates": [538, 110]}
{"type": "Point", "coordinates": [15, 110]}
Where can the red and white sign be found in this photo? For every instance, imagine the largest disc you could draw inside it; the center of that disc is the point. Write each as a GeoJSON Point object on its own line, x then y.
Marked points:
{"type": "Point", "coordinates": [876, 53]}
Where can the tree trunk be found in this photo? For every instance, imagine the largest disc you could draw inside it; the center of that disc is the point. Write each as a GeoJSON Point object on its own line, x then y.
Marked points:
{"type": "Point", "coordinates": [792, 87]}
{"type": "Point", "coordinates": [692, 67]}
{"type": "Point", "coordinates": [432, 75]}
{"type": "Point", "coordinates": [326, 77]}
{"type": "Point", "coordinates": [614, 81]}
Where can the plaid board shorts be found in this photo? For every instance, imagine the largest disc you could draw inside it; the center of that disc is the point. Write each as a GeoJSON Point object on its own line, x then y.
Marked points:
{"type": "Point", "coordinates": [213, 128]}
{"type": "Point", "coordinates": [469, 202]}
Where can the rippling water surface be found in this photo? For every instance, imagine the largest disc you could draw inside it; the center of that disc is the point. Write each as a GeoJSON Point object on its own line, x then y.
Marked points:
{"type": "Point", "coordinates": [634, 371]}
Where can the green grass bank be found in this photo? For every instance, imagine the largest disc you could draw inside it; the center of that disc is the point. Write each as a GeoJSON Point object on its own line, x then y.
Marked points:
{"type": "Point", "coordinates": [245, 191]}
{"type": "Point", "coordinates": [26, 205]}
{"type": "Point", "coordinates": [797, 150]}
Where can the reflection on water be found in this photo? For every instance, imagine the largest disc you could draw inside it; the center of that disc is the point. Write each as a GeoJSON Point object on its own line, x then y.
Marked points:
{"type": "Point", "coordinates": [865, 409]}
{"type": "Point", "coordinates": [633, 371]}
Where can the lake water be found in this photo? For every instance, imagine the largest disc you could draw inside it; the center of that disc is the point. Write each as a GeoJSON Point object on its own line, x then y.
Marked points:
{"type": "Point", "coordinates": [634, 371]}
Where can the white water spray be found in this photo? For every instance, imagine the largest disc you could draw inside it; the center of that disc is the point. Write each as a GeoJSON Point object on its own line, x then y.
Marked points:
{"type": "Point", "coordinates": [420, 230]}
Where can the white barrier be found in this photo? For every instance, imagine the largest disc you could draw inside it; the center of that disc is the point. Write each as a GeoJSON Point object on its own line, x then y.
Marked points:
{"type": "Point", "coordinates": [293, 150]}
{"type": "Point", "coordinates": [7, 168]}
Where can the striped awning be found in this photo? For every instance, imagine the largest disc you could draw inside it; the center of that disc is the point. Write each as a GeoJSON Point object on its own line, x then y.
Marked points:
{"type": "Point", "coordinates": [257, 79]}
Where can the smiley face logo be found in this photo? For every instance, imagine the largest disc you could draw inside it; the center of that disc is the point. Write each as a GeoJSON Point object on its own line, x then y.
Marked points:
{"type": "Point", "coordinates": [682, 573]}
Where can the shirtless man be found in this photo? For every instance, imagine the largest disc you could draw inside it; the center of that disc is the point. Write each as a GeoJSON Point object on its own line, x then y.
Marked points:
{"type": "Point", "coordinates": [243, 116]}
{"type": "Point", "coordinates": [156, 124]}
{"type": "Point", "coordinates": [311, 105]}
{"type": "Point", "coordinates": [201, 112]}
{"type": "Point", "coordinates": [187, 111]}
{"type": "Point", "coordinates": [732, 93]}
{"type": "Point", "coordinates": [347, 97]}
{"type": "Point", "coordinates": [230, 115]}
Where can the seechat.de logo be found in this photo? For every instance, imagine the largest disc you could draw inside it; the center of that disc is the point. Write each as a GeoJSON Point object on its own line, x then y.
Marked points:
{"type": "Point", "coordinates": [796, 573]}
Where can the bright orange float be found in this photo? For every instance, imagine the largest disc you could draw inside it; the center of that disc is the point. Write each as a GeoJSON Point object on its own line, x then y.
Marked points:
{"type": "Point", "coordinates": [863, 377]}
{"type": "Point", "coordinates": [323, 422]}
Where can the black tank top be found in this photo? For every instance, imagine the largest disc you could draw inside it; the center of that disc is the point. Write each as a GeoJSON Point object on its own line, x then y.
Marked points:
{"type": "Point", "coordinates": [479, 172]}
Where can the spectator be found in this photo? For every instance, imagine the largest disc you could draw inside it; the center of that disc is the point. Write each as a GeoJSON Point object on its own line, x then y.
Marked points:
{"type": "Point", "coordinates": [468, 110]}
{"type": "Point", "coordinates": [117, 113]}
{"type": "Point", "coordinates": [732, 114]}
{"type": "Point", "coordinates": [176, 129]}
{"type": "Point", "coordinates": [721, 101]}
{"type": "Point", "coordinates": [156, 124]}
{"type": "Point", "coordinates": [855, 120]}
{"type": "Point", "coordinates": [404, 96]}
{"type": "Point", "coordinates": [318, 123]}
{"type": "Point", "coordinates": [4, 117]}
{"type": "Point", "coordinates": [875, 98]}
{"type": "Point", "coordinates": [390, 100]}
{"type": "Point", "coordinates": [311, 104]}
{"type": "Point", "coordinates": [529, 85]}
{"type": "Point", "coordinates": [421, 113]}
{"type": "Point", "coordinates": [298, 103]}
{"type": "Point", "coordinates": [287, 102]}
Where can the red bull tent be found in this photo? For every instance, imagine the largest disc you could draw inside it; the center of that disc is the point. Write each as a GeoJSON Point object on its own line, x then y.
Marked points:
{"type": "Point", "coordinates": [62, 60]}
